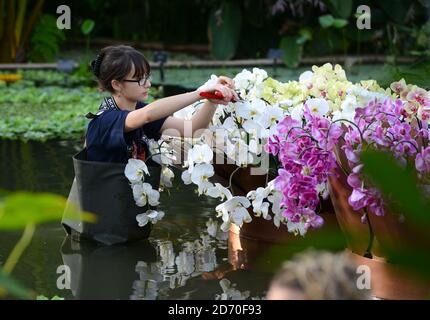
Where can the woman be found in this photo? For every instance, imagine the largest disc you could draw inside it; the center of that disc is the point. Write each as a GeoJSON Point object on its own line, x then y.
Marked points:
{"type": "Point", "coordinates": [119, 132]}
{"type": "Point", "coordinates": [115, 133]}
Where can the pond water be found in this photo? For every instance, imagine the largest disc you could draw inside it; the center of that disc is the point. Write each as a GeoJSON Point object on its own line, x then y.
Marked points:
{"type": "Point", "coordinates": [179, 261]}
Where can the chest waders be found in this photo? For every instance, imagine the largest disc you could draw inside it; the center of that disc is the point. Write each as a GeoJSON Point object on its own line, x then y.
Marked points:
{"type": "Point", "coordinates": [101, 188]}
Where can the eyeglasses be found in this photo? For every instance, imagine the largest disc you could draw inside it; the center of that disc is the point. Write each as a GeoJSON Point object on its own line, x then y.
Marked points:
{"type": "Point", "coordinates": [141, 82]}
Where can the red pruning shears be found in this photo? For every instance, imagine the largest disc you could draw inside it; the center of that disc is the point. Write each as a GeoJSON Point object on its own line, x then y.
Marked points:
{"type": "Point", "coordinates": [215, 95]}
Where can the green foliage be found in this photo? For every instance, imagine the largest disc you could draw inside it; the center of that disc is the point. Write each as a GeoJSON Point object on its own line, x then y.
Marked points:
{"type": "Point", "coordinates": [417, 73]}
{"type": "Point", "coordinates": [402, 193]}
{"type": "Point", "coordinates": [9, 286]}
{"type": "Point", "coordinates": [325, 41]}
{"type": "Point", "coordinates": [397, 183]}
{"type": "Point", "coordinates": [46, 40]}
{"type": "Point", "coordinates": [23, 208]}
{"type": "Point", "coordinates": [87, 27]}
{"type": "Point", "coordinates": [340, 8]}
{"type": "Point", "coordinates": [293, 50]}
{"type": "Point", "coordinates": [328, 21]}
{"type": "Point", "coordinates": [224, 29]}
{"type": "Point", "coordinates": [396, 10]}
{"type": "Point", "coordinates": [42, 113]}
{"type": "Point", "coordinates": [422, 38]}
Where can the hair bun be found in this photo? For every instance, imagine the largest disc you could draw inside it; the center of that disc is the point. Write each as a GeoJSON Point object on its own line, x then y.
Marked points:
{"type": "Point", "coordinates": [96, 63]}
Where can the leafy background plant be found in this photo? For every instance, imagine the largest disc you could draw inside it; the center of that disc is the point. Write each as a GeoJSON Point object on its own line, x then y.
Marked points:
{"type": "Point", "coordinates": [24, 210]}
{"type": "Point", "coordinates": [46, 40]}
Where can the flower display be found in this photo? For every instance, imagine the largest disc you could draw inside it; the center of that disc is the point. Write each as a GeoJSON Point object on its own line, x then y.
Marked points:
{"type": "Point", "coordinates": [304, 126]}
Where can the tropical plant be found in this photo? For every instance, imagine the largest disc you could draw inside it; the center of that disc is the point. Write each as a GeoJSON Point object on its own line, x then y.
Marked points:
{"type": "Point", "coordinates": [46, 40]}
{"type": "Point", "coordinates": [17, 21]}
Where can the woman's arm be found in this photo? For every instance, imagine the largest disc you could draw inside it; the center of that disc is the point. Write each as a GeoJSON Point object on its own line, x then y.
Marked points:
{"type": "Point", "coordinates": [167, 106]}
{"type": "Point", "coordinates": [200, 120]}
{"type": "Point", "coordinates": [159, 109]}
{"type": "Point", "coordinates": [186, 128]}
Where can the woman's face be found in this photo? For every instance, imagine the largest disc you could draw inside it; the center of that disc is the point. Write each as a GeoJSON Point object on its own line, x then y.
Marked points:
{"type": "Point", "coordinates": [133, 90]}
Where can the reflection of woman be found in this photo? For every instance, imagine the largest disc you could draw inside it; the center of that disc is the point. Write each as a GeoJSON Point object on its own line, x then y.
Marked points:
{"type": "Point", "coordinates": [104, 272]}
{"type": "Point", "coordinates": [120, 128]}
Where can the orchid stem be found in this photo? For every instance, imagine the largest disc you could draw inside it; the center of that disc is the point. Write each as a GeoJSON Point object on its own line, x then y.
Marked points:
{"type": "Point", "coordinates": [231, 178]}
{"type": "Point", "coordinates": [368, 253]}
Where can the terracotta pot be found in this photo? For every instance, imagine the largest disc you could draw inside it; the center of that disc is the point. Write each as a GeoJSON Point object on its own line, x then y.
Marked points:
{"type": "Point", "coordinates": [357, 234]}
{"type": "Point", "coordinates": [388, 281]}
{"type": "Point", "coordinates": [391, 282]}
{"type": "Point", "coordinates": [391, 230]}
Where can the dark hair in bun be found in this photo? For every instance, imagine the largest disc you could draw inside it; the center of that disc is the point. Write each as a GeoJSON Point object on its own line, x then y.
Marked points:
{"type": "Point", "coordinates": [96, 63]}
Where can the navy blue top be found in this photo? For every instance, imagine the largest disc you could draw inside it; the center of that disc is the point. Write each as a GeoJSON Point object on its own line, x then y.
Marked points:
{"type": "Point", "coordinates": [107, 141]}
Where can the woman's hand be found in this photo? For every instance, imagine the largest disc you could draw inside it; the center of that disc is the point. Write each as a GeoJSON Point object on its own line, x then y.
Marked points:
{"type": "Point", "coordinates": [224, 85]}
{"type": "Point", "coordinates": [226, 81]}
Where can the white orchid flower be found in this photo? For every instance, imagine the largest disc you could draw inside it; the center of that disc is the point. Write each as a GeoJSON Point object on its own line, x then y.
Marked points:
{"type": "Point", "coordinates": [209, 84]}
{"type": "Point", "coordinates": [306, 76]}
{"type": "Point", "coordinates": [249, 110]}
{"type": "Point", "coordinates": [278, 218]}
{"type": "Point", "coordinates": [255, 146]}
{"type": "Point", "coordinates": [161, 152]}
{"type": "Point", "coordinates": [254, 128]}
{"type": "Point", "coordinates": [143, 194]}
{"type": "Point", "coordinates": [323, 190]}
{"type": "Point", "coordinates": [286, 103]}
{"type": "Point", "coordinates": [167, 176]}
{"type": "Point", "coordinates": [260, 207]}
{"type": "Point", "coordinates": [262, 210]}
{"type": "Point", "coordinates": [297, 228]}
{"type": "Point", "coordinates": [186, 177]}
{"type": "Point", "coordinates": [219, 191]}
{"type": "Point", "coordinates": [275, 199]}
{"type": "Point", "coordinates": [200, 154]}
{"type": "Point", "coordinates": [152, 216]}
{"type": "Point", "coordinates": [318, 106]}
{"type": "Point", "coordinates": [229, 124]}
{"type": "Point", "coordinates": [200, 176]}
{"type": "Point", "coordinates": [242, 80]}
{"type": "Point", "coordinates": [297, 112]}
{"type": "Point", "coordinates": [135, 170]}
{"type": "Point", "coordinates": [234, 210]}
{"type": "Point", "coordinates": [239, 152]}
{"type": "Point", "coordinates": [259, 75]}
{"type": "Point", "coordinates": [275, 113]}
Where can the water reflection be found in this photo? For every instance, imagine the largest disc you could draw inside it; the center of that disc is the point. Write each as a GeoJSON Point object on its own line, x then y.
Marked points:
{"type": "Point", "coordinates": [180, 261]}
{"type": "Point", "coordinates": [144, 270]}
{"type": "Point", "coordinates": [150, 270]}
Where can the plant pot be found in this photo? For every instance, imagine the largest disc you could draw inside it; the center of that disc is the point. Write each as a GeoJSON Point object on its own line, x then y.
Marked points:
{"type": "Point", "coordinates": [357, 234]}
{"type": "Point", "coordinates": [392, 229]}
{"type": "Point", "coordinates": [389, 281]}
{"type": "Point", "coordinates": [392, 282]}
